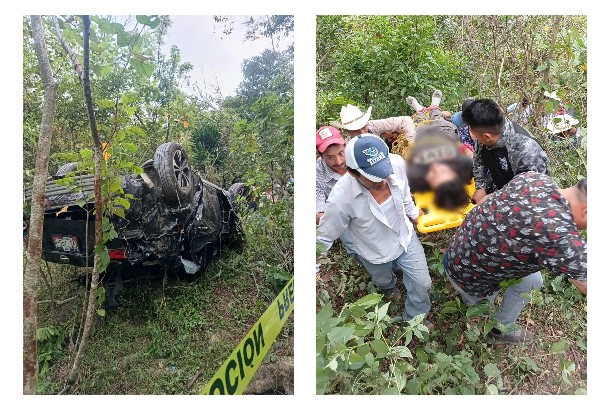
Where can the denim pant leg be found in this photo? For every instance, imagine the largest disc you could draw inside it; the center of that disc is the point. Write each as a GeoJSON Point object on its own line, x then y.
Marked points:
{"type": "Point", "coordinates": [468, 299]}
{"type": "Point", "coordinates": [416, 279]}
{"type": "Point", "coordinates": [381, 273]}
{"type": "Point", "coordinates": [349, 246]}
{"type": "Point", "coordinates": [513, 303]}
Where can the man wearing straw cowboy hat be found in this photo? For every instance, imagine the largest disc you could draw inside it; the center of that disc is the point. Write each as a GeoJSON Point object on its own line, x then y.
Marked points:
{"type": "Point", "coordinates": [356, 122]}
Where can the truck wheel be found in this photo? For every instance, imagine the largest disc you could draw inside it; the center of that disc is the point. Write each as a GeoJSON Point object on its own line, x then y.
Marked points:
{"type": "Point", "coordinates": [66, 168]}
{"type": "Point", "coordinates": [171, 163]}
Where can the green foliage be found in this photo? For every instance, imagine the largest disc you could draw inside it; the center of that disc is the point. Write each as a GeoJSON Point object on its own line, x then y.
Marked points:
{"type": "Point", "coordinates": [454, 358]}
{"type": "Point", "coordinates": [49, 341]}
{"type": "Point", "coordinates": [380, 60]}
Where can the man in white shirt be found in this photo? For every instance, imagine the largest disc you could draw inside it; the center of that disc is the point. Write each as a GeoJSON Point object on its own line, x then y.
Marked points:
{"type": "Point", "coordinates": [373, 203]}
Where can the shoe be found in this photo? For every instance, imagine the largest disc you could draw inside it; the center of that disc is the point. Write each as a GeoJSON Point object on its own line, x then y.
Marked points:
{"type": "Point", "coordinates": [428, 324]}
{"type": "Point", "coordinates": [519, 336]}
{"type": "Point", "coordinates": [412, 102]}
{"type": "Point", "coordinates": [387, 293]}
{"type": "Point", "coordinates": [436, 98]}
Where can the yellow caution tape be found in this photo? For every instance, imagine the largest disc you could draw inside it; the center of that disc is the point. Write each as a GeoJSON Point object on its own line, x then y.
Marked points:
{"type": "Point", "coordinates": [235, 374]}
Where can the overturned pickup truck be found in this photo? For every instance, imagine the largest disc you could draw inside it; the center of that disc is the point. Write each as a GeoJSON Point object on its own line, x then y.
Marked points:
{"type": "Point", "coordinates": [177, 219]}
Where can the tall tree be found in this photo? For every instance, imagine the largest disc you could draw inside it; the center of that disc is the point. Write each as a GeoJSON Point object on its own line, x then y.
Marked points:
{"type": "Point", "coordinates": [30, 277]}
{"type": "Point", "coordinates": [97, 157]}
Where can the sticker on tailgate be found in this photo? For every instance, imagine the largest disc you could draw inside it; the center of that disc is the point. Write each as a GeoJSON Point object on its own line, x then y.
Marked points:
{"type": "Point", "coordinates": [66, 243]}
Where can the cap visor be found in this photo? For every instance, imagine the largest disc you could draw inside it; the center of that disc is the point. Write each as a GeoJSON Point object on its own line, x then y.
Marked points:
{"type": "Point", "coordinates": [379, 171]}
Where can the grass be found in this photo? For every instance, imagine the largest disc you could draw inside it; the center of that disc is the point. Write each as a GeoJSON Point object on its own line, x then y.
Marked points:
{"type": "Point", "coordinates": [169, 334]}
{"type": "Point", "coordinates": [556, 363]}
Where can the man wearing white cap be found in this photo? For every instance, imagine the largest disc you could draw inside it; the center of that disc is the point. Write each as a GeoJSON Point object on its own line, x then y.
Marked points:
{"type": "Point", "coordinates": [373, 203]}
{"type": "Point", "coordinates": [356, 122]}
{"type": "Point", "coordinates": [562, 127]}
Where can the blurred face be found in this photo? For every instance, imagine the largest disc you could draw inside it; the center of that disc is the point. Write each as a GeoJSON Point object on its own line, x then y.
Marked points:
{"type": "Point", "coordinates": [334, 156]}
{"type": "Point", "coordinates": [439, 173]}
{"type": "Point", "coordinates": [370, 185]}
{"type": "Point", "coordinates": [363, 130]}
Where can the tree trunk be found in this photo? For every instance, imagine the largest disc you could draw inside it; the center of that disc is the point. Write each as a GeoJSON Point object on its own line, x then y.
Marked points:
{"type": "Point", "coordinates": [98, 210]}
{"type": "Point", "coordinates": [30, 275]}
{"type": "Point", "coordinates": [547, 70]}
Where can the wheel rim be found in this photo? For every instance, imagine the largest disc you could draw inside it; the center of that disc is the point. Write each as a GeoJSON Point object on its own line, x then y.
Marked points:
{"type": "Point", "coordinates": [181, 170]}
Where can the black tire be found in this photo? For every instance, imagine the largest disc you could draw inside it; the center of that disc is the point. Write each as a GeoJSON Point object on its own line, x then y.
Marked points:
{"type": "Point", "coordinates": [171, 163]}
{"type": "Point", "coordinates": [66, 168]}
{"type": "Point", "coordinates": [239, 188]}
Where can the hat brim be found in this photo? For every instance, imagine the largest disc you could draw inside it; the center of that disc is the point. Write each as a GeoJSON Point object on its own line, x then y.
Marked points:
{"type": "Point", "coordinates": [360, 122]}
{"type": "Point", "coordinates": [378, 172]}
{"type": "Point", "coordinates": [329, 141]}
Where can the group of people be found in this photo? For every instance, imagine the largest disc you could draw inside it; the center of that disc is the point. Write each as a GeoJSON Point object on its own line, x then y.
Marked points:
{"type": "Point", "coordinates": [521, 223]}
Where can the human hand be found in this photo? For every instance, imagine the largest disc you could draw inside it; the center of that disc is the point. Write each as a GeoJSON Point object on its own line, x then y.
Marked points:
{"type": "Point", "coordinates": [479, 195]}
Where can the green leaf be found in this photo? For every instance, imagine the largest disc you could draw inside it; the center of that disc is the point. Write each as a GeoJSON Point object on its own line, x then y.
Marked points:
{"type": "Point", "coordinates": [323, 315]}
{"type": "Point", "coordinates": [340, 335]}
{"type": "Point", "coordinates": [421, 355]}
{"type": "Point", "coordinates": [119, 212]}
{"type": "Point", "coordinates": [531, 364]}
{"type": "Point", "coordinates": [402, 351]}
{"type": "Point", "coordinates": [383, 310]}
{"type": "Point", "coordinates": [541, 67]}
{"type": "Point", "coordinates": [478, 309]}
{"type": "Point", "coordinates": [491, 389]}
{"type": "Point", "coordinates": [123, 38]}
{"type": "Point", "coordinates": [104, 261]}
{"type": "Point", "coordinates": [333, 364]}
{"type": "Point", "coordinates": [412, 386]}
{"type": "Point", "coordinates": [150, 21]}
{"type": "Point", "coordinates": [491, 370]}
{"type": "Point", "coordinates": [144, 69]}
{"type": "Point", "coordinates": [559, 347]}
{"type": "Point", "coordinates": [101, 312]}
{"type": "Point", "coordinates": [356, 311]}
{"type": "Point", "coordinates": [368, 300]}
{"type": "Point", "coordinates": [86, 153]}
{"type": "Point", "coordinates": [380, 347]}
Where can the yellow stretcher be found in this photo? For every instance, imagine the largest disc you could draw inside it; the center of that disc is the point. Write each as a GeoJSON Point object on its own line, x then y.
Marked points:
{"type": "Point", "coordinates": [436, 219]}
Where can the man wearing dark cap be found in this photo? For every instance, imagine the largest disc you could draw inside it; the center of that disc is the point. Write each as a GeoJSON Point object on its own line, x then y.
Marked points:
{"type": "Point", "coordinates": [373, 203]}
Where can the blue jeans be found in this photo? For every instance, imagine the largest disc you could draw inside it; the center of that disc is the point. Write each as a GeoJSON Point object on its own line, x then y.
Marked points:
{"type": "Point", "coordinates": [415, 277]}
{"type": "Point", "coordinates": [512, 303]}
{"type": "Point", "coordinates": [346, 238]}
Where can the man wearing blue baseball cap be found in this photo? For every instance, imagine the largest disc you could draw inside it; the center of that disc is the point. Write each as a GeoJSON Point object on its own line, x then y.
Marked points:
{"type": "Point", "coordinates": [373, 203]}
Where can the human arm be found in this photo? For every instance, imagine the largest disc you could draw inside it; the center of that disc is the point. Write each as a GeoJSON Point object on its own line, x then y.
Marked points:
{"type": "Point", "coordinates": [400, 171]}
{"type": "Point", "coordinates": [332, 224]}
{"type": "Point", "coordinates": [318, 216]}
{"type": "Point", "coordinates": [529, 156]}
{"type": "Point", "coordinates": [479, 170]}
{"type": "Point", "coordinates": [479, 195]}
{"type": "Point", "coordinates": [401, 125]}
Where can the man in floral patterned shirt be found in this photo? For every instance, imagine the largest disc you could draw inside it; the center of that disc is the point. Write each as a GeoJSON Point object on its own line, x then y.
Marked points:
{"type": "Point", "coordinates": [525, 226]}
